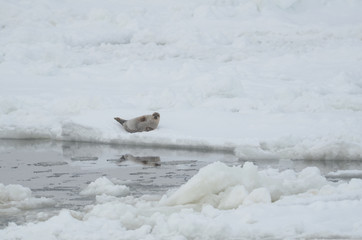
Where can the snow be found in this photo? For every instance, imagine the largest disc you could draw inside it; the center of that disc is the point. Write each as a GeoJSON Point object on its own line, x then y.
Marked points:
{"type": "Point", "coordinates": [253, 204]}
{"type": "Point", "coordinates": [276, 79]}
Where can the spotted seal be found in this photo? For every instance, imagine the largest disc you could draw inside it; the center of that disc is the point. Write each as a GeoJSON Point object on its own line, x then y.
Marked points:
{"type": "Point", "coordinates": [140, 124]}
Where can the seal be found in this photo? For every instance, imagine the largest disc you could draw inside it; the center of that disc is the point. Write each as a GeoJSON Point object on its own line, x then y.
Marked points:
{"type": "Point", "coordinates": [140, 124]}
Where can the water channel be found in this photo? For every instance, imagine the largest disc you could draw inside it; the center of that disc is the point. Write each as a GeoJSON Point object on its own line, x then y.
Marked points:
{"type": "Point", "coordinates": [61, 170]}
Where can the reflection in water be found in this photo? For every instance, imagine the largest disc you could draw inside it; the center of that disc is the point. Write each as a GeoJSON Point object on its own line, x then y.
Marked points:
{"type": "Point", "coordinates": [153, 161]}
{"type": "Point", "coordinates": [147, 160]}
{"type": "Point", "coordinates": [95, 155]}
{"type": "Point", "coordinates": [84, 158]}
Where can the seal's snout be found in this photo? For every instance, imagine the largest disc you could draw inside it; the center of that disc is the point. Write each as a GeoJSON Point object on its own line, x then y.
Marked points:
{"type": "Point", "coordinates": [156, 115]}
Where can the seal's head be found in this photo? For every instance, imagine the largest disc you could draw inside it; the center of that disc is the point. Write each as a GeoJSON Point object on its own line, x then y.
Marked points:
{"type": "Point", "coordinates": [156, 115]}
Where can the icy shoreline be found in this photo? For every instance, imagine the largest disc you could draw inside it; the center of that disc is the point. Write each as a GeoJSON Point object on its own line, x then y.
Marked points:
{"type": "Point", "coordinates": [246, 143]}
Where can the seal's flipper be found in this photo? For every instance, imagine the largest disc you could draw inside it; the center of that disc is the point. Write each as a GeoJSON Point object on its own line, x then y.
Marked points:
{"type": "Point", "coordinates": [120, 120]}
{"type": "Point", "coordinates": [149, 129]}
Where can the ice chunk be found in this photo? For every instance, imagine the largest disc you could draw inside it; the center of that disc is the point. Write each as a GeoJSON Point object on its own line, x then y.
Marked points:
{"type": "Point", "coordinates": [14, 197]}
{"type": "Point", "coordinates": [104, 186]}
{"type": "Point", "coordinates": [13, 192]}
{"type": "Point", "coordinates": [259, 195]}
{"type": "Point", "coordinates": [233, 197]}
{"type": "Point", "coordinates": [229, 187]}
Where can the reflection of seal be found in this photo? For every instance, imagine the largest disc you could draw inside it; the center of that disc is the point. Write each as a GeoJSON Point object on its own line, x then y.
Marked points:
{"type": "Point", "coordinates": [147, 160]}
{"type": "Point", "coordinates": [140, 124]}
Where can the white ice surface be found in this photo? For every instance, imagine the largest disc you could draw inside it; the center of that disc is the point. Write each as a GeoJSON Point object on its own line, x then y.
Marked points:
{"type": "Point", "coordinates": [248, 203]}
{"type": "Point", "coordinates": [265, 79]}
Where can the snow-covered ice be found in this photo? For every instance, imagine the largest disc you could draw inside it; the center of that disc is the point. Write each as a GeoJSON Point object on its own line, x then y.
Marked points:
{"type": "Point", "coordinates": [264, 79]}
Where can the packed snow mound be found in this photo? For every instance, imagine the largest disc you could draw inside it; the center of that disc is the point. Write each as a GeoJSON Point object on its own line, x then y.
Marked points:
{"type": "Point", "coordinates": [14, 197]}
{"type": "Point", "coordinates": [229, 187]}
{"type": "Point", "coordinates": [304, 203]}
{"type": "Point", "coordinates": [261, 200]}
{"type": "Point", "coordinates": [104, 186]}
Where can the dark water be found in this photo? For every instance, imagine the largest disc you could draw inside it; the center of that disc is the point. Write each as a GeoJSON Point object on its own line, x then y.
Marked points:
{"type": "Point", "coordinates": [60, 170]}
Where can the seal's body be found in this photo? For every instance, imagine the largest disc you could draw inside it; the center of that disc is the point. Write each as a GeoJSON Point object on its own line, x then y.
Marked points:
{"type": "Point", "coordinates": [140, 124]}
